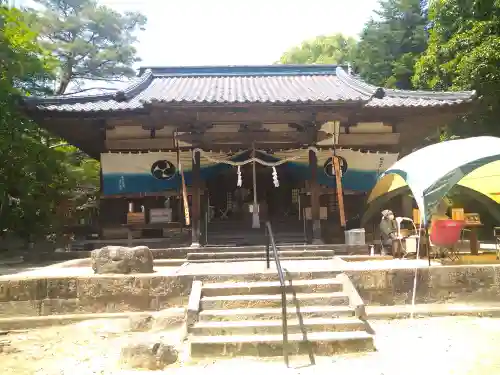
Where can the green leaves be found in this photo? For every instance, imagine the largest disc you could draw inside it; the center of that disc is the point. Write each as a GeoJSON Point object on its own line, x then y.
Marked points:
{"type": "Point", "coordinates": [333, 49]}
{"type": "Point", "coordinates": [390, 46]}
{"type": "Point", "coordinates": [34, 178]}
{"type": "Point", "coordinates": [21, 58]}
{"type": "Point", "coordinates": [464, 54]}
{"type": "Point", "coordinates": [90, 41]}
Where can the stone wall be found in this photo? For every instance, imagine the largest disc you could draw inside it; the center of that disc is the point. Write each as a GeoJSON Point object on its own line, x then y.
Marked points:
{"type": "Point", "coordinates": [32, 296]}
{"type": "Point", "coordinates": [36, 296]}
{"type": "Point", "coordinates": [446, 284]}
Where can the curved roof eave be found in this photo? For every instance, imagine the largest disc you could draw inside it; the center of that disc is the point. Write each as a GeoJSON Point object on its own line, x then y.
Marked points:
{"type": "Point", "coordinates": [119, 96]}
{"type": "Point", "coordinates": [360, 86]}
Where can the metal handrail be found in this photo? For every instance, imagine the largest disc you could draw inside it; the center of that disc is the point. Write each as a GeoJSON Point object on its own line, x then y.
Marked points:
{"type": "Point", "coordinates": [272, 244]}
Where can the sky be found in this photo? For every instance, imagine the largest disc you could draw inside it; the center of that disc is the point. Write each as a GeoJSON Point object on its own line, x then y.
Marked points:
{"type": "Point", "coordinates": [235, 32]}
{"type": "Point", "coordinates": [232, 32]}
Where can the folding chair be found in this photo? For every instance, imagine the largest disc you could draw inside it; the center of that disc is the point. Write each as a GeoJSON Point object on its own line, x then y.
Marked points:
{"type": "Point", "coordinates": [445, 236]}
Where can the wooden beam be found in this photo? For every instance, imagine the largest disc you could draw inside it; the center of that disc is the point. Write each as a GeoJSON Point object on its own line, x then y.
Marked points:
{"type": "Point", "coordinates": [140, 144]}
{"type": "Point", "coordinates": [245, 138]}
{"type": "Point", "coordinates": [252, 127]}
{"type": "Point", "coordinates": [195, 201]}
{"type": "Point", "coordinates": [167, 193]}
{"type": "Point", "coordinates": [363, 139]}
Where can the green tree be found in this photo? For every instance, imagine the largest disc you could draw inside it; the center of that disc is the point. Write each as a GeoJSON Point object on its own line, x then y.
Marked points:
{"type": "Point", "coordinates": [332, 49]}
{"type": "Point", "coordinates": [91, 41]}
{"type": "Point", "coordinates": [464, 54]}
{"type": "Point", "coordinates": [391, 43]}
{"type": "Point", "coordinates": [31, 175]}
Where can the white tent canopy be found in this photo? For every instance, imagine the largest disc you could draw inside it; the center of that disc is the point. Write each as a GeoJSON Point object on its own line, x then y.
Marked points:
{"type": "Point", "coordinates": [432, 171]}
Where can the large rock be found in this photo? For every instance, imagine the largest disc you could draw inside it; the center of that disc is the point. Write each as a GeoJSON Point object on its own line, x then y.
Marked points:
{"type": "Point", "coordinates": [124, 260]}
{"type": "Point", "coordinates": [149, 355]}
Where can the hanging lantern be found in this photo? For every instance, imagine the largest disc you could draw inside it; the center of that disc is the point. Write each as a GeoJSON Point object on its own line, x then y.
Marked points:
{"type": "Point", "coordinates": [275, 178]}
{"type": "Point", "coordinates": [240, 180]}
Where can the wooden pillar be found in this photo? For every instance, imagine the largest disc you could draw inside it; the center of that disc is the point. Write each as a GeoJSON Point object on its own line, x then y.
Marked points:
{"type": "Point", "coordinates": [195, 221]}
{"type": "Point", "coordinates": [315, 194]}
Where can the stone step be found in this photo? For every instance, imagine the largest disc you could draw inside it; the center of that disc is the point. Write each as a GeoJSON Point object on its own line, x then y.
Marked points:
{"type": "Point", "coordinates": [261, 327]}
{"type": "Point", "coordinates": [271, 287]}
{"type": "Point", "coordinates": [262, 259]}
{"type": "Point", "coordinates": [273, 300]}
{"type": "Point", "coordinates": [275, 313]}
{"type": "Point", "coordinates": [298, 246]}
{"type": "Point", "coordinates": [168, 262]}
{"type": "Point", "coordinates": [331, 270]}
{"type": "Point", "coordinates": [321, 343]}
{"type": "Point", "coordinates": [252, 259]}
{"type": "Point", "coordinates": [248, 241]}
{"type": "Point", "coordinates": [259, 254]}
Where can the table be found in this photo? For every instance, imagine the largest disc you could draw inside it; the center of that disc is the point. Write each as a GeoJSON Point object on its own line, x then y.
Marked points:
{"type": "Point", "coordinates": [131, 226]}
{"type": "Point", "coordinates": [474, 243]}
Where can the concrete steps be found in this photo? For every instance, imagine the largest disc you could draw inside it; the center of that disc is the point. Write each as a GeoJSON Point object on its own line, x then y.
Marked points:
{"type": "Point", "coordinates": [240, 259]}
{"type": "Point", "coordinates": [324, 343]}
{"type": "Point", "coordinates": [276, 313]}
{"type": "Point", "coordinates": [272, 287]}
{"type": "Point", "coordinates": [273, 300]}
{"type": "Point", "coordinates": [263, 327]}
{"type": "Point", "coordinates": [210, 254]}
{"type": "Point", "coordinates": [245, 318]}
{"type": "Point", "coordinates": [227, 255]}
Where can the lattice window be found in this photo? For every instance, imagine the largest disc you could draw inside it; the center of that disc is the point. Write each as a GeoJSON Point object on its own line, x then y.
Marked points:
{"type": "Point", "coordinates": [295, 196]}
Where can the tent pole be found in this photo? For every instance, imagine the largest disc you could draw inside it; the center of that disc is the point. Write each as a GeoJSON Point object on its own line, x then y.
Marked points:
{"type": "Point", "coordinates": [428, 244]}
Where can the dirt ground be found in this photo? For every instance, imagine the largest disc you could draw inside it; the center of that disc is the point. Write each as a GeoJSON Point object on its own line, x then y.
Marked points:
{"type": "Point", "coordinates": [451, 345]}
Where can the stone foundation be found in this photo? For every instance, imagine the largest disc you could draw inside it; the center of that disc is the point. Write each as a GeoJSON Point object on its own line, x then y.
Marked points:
{"type": "Point", "coordinates": [32, 296]}
{"type": "Point", "coordinates": [446, 284]}
{"type": "Point", "coordinates": [38, 296]}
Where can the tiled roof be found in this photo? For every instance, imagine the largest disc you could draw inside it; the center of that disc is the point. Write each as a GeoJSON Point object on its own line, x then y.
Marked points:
{"type": "Point", "coordinates": [274, 84]}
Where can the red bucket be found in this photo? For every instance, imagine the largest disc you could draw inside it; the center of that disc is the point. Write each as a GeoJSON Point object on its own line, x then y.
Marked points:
{"type": "Point", "coordinates": [446, 232]}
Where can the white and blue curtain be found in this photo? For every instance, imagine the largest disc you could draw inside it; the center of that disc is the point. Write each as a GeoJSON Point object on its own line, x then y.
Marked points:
{"type": "Point", "coordinates": [150, 172]}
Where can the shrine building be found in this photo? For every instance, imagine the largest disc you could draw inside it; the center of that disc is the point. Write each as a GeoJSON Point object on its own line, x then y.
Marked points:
{"type": "Point", "coordinates": [239, 145]}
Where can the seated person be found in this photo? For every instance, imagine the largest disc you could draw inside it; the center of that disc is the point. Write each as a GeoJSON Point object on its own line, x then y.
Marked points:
{"type": "Point", "coordinates": [389, 233]}
{"type": "Point", "coordinates": [440, 213]}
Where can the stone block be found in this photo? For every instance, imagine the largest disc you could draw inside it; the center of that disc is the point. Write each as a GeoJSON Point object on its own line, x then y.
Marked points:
{"type": "Point", "coordinates": [108, 286]}
{"type": "Point", "coordinates": [122, 260]}
{"type": "Point", "coordinates": [59, 306]}
{"type": "Point", "coordinates": [22, 289]}
{"type": "Point", "coordinates": [148, 355]}
{"type": "Point", "coordinates": [63, 288]}
{"type": "Point", "coordinates": [19, 308]}
{"type": "Point", "coordinates": [113, 293]}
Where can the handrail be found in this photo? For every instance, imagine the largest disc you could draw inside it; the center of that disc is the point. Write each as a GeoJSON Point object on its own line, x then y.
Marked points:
{"type": "Point", "coordinates": [272, 244]}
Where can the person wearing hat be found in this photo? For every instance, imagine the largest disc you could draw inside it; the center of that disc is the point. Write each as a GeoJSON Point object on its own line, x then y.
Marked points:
{"type": "Point", "coordinates": [389, 234]}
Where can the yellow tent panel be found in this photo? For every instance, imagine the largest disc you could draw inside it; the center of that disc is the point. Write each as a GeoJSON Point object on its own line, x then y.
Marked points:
{"type": "Point", "coordinates": [484, 180]}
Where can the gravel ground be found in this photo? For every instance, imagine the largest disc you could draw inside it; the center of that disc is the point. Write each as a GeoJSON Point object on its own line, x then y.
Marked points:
{"type": "Point", "coordinates": [451, 345]}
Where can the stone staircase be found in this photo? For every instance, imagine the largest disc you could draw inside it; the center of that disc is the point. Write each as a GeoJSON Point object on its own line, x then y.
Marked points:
{"type": "Point", "coordinates": [237, 233]}
{"type": "Point", "coordinates": [258, 253]}
{"type": "Point", "coordinates": [324, 317]}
